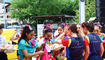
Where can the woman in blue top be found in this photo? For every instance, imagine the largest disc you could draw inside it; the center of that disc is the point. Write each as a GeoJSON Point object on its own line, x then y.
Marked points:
{"type": "Point", "coordinates": [95, 44]}
{"type": "Point", "coordinates": [75, 44]}
{"type": "Point", "coordinates": [97, 30]}
{"type": "Point", "coordinates": [26, 46]}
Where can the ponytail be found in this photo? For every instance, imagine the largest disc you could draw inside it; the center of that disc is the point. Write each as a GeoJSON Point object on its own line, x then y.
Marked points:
{"type": "Point", "coordinates": [78, 35]}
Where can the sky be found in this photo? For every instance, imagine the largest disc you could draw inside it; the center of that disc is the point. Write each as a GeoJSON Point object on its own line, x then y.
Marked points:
{"type": "Point", "coordinates": [72, 0]}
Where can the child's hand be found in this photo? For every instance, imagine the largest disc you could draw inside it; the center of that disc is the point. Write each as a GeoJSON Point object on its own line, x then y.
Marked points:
{"type": "Point", "coordinates": [15, 31]}
{"type": "Point", "coordinates": [42, 46]}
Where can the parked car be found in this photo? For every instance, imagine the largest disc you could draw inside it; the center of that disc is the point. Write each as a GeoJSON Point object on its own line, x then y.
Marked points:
{"type": "Point", "coordinates": [13, 26]}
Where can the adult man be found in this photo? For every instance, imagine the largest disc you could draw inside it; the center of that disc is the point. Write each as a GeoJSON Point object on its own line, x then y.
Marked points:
{"type": "Point", "coordinates": [3, 55]}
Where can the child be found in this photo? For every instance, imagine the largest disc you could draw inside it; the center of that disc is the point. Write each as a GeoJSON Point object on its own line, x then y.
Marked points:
{"type": "Point", "coordinates": [3, 55]}
{"type": "Point", "coordinates": [95, 45]}
{"type": "Point", "coordinates": [25, 46]}
{"type": "Point", "coordinates": [75, 44]}
{"type": "Point", "coordinates": [47, 34]}
{"type": "Point", "coordinates": [61, 51]}
{"type": "Point", "coordinates": [16, 36]}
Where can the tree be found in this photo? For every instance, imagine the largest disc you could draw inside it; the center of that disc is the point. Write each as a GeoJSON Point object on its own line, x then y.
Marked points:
{"type": "Point", "coordinates": [71, 7]}
{"type": "Point", "coordinates": [90, 10]}
{"type": "Point", "coordinates": [21, 9]}
{"type": "Point", "coordinates": [25, 9]}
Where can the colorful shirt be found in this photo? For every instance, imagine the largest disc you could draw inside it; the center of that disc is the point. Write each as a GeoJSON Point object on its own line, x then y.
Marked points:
{"type": "Point", "coordinates": [47, 49]}
{"type": "Point", "coordinates": [75, 46]}
{"type": "Point", "coordinates": [23, 45]}
{"type": "Point", "coordinates": [103, 36]}
{"type": "Point", "coordinates": [49, 45]}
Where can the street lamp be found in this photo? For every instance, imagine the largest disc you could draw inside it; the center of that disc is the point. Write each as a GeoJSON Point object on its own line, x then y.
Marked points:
{"type": "Point", "coordinates": [5, 23]}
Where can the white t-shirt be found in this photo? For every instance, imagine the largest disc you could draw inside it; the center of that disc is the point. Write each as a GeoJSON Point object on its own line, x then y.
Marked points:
{"type": "Point", "coordinates": [2, 40]}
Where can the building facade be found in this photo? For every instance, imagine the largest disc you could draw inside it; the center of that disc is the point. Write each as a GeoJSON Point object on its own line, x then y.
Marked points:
{"type": "Point", "coordinates": [5, 13]}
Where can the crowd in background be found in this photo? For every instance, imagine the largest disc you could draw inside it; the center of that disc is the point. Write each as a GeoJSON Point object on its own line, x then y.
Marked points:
{"type": "Point", "coordinates": [83, 41]}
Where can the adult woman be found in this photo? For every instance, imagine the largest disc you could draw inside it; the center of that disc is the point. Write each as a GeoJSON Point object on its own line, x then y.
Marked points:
{"type": "Point", "coordinates": [3, 55]}
{"type": "Point", "coordinates": [25, 46]}
{"type": "Point", "coordinates": [16, 36]}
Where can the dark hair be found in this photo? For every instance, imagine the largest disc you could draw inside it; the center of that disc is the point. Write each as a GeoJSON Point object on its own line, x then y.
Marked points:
{"type": "Point", "coordinates": [73, 28]}
{"type": "Point", "coordinates": [1, 26]}
{"type": "Point", "coordinates": [62, 25]}
{"type": "Point", "coordinates": [46, 31]}
{"type": "Point", "coordinates": [26, 29]}
{"type": "Point", "coordinates": [88, 25]}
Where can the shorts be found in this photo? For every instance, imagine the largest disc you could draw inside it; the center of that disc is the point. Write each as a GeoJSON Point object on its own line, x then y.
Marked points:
{"type": "Point", "coordinates": [3, 56]}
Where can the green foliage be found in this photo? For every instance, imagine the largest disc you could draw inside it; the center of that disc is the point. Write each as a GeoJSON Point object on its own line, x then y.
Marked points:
{"type": "Point", "coordinates": [25, 9]}
{"type": "Point", "coordinates": [71, 7]}
{"type": "Point", "coordinates": [22, 9]}
{"type": "Point", "coordinates": [90, 10]}
{"type": "Point", "coordinates": [76, 18]}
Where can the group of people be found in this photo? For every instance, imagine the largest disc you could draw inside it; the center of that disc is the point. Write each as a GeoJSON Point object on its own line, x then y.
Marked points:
{"type": "Point", "coordinates": [83, 41]}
